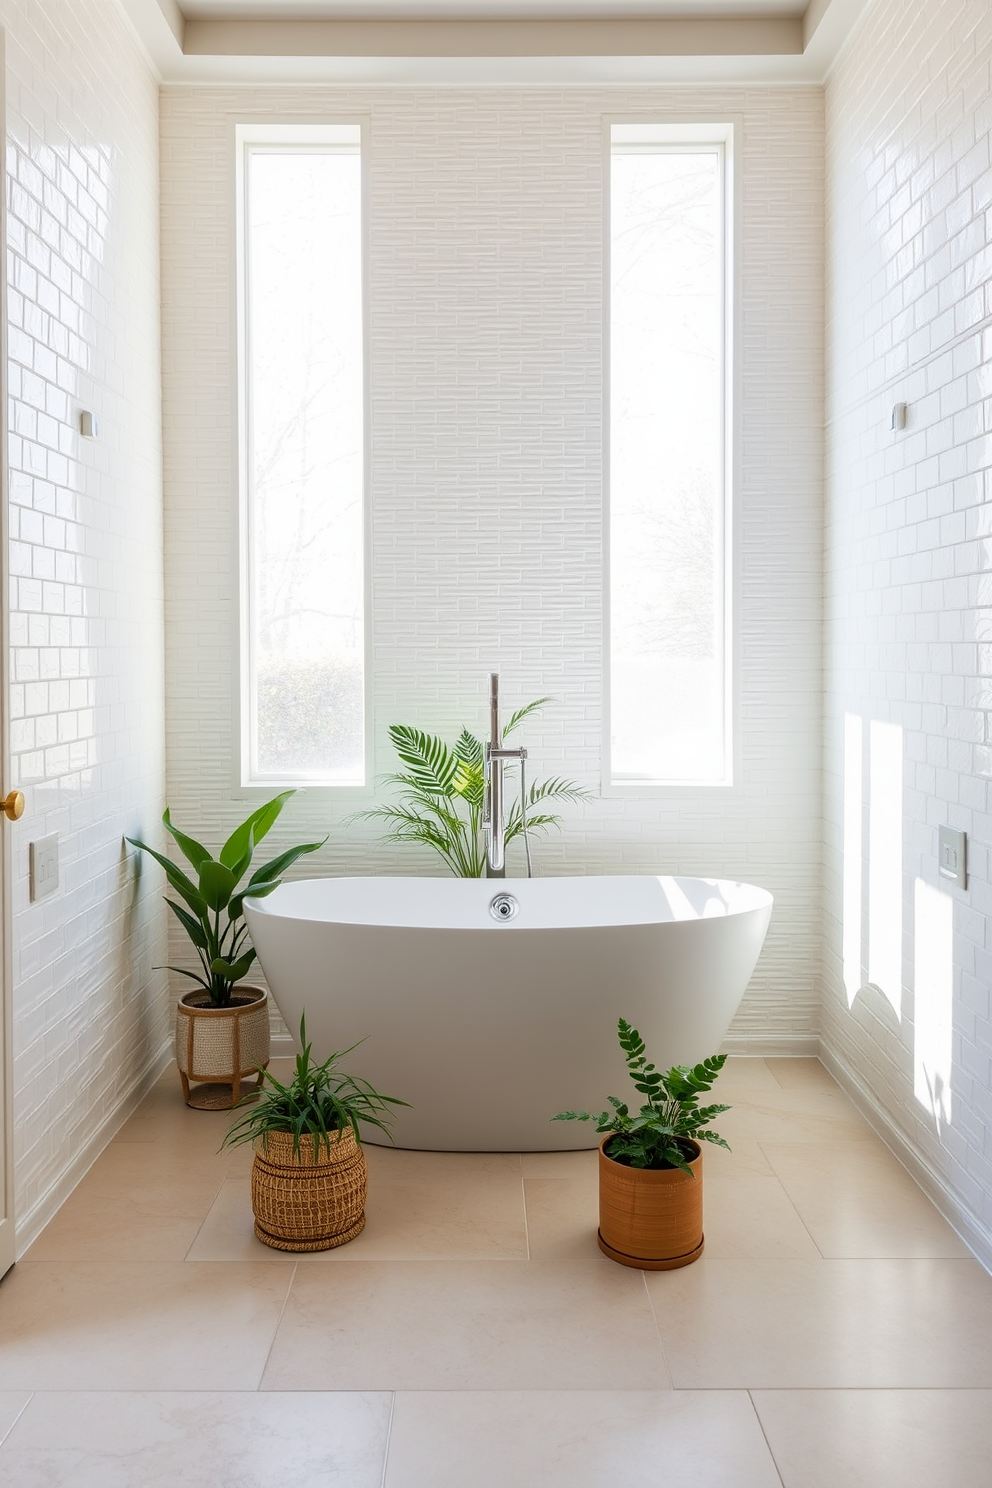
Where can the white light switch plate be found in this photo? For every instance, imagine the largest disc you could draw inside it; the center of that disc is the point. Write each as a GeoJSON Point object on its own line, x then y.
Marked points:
{"type": "Point", "coordinates": [44, 866]}
{"type": "Point", "coordinates": [952, 858]}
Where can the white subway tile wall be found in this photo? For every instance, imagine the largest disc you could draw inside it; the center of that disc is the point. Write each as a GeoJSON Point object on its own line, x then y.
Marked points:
{"type": "Point", "coordinates": [486, 216]}
{"type": "Point", "coordinates": [86, 704]}
{"type": "Point", "coordinates": [908, 594]}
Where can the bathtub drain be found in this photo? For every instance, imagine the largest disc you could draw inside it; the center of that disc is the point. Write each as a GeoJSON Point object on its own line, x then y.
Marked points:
{"type": "Point", "coordinates": [503, 907]}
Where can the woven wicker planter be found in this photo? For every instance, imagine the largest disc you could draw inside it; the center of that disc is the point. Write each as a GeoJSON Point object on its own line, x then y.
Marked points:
{"type": "Point", "coordinates": [221, 1047]}
{"type": "Point", "coordinates": [651, 1218]}
{"type": "Point", "coordinates": [303, 1202]}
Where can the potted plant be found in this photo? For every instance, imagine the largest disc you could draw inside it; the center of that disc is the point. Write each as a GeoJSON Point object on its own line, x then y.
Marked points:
{"type": "Point", "coordinates": [440, 796]}
{"type": "Point", "coordinates": [650, 1163]}
{"type": "Point", "coordinates": [308, 1179]}
{"type": "Point", "coordinates": [222, 1028]}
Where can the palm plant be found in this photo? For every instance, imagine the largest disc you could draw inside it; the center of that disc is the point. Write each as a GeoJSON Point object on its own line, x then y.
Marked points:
{"type": "Point", "coordinates": [319, 1102]}
{"type": "Point", "coordinates": [441, 792]}
{"type": "Point", "coordinates": [655, 1137]}
{"type": "Point", "coordinates": [213, 916]}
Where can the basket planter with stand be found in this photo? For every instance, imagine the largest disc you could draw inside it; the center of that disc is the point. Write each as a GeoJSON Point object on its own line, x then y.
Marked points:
{"type": "Point", "coordinates": [219, 1048]}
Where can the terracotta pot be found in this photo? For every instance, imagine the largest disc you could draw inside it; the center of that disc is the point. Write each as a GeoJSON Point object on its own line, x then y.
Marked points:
{"type": "Point", "coordinates": [305, 1200]}
{"type": "Point", "coordinates": [221, 1046]}
{"type": "Point", "coordinates": [651, 1218]}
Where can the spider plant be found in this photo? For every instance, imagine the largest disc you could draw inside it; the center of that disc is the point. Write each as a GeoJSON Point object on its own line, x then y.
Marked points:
{"type": "Point", "coordinates": [440, 796]}
{"type": "Point", "coordinates": [213, 916]}
{"type": "Point", "coordinates": [319, 1102]}
{"type": "Point", "coordinates": [655, 1137]}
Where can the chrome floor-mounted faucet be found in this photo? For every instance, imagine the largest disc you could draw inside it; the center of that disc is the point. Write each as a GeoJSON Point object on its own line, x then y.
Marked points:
{"type": "Point", "coordinates": [493, 819]}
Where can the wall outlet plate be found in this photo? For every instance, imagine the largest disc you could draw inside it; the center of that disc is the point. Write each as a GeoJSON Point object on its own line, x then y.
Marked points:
{"type": "Point", "coordinates": [952, 856]}
{"type": "Point", "coordinates": [44, 855]}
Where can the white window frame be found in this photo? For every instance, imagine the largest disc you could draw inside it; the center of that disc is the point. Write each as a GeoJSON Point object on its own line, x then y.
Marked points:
{"type": "Point", "coordinates": [686, 132]}
{"type": "Point", "coordinates": [250, 136]}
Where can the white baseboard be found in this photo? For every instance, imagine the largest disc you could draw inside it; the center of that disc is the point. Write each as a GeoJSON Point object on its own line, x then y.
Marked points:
{"type": "Point", "coordinates": [31, 1226]}
{"type": "Point", "coordinates": [971, 1230]}
{"type": "Point", "coordinates": [772, 1045]}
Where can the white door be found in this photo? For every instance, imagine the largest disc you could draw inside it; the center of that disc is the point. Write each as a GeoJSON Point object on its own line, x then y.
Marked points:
{"type": "Point", "coordinates": [6, 1104]}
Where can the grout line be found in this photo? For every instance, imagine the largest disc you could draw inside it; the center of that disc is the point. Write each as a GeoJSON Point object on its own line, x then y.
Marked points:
{"type": "Point", "coordinates": [31, 1396]}
{"type": "Point", "coordinates": [275, 1331]}
{"type": "Point", "coordinates": [791, 1202]}
{"type": "Point", "coordinates": [389, 1438]}
{"type": "Point", "coordinates": [657, 1329]}
{"type": "Point", "coordinates": [523, 1196]}
{"type": "Point", "coordinates": [761, 1428]}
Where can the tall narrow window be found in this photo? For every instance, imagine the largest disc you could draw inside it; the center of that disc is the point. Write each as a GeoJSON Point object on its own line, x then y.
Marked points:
{"type": "Point", "coordinates": [303, 426]}
{"type": "Point", "coordinates": [668, 475]}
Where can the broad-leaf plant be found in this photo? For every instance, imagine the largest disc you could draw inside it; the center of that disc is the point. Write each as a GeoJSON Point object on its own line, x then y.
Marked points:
{"type": "Point", "coordinates": [212, 908]}
{"type": "Point", "coordinates": [440, 796]}
{"type": "Point", "coordinates": [319, 1103]}
{"type": "Point", "coordinates": [655, 1136]}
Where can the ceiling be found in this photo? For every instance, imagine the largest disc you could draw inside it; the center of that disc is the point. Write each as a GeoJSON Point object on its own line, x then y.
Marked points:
{"type": "Point", "coordinates": [493, 41]}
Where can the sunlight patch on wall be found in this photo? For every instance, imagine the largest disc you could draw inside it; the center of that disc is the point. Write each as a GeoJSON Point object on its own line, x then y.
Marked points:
{"type": "Point", "coordinates": [934, 984]}
{"type": "Point", "coordinates": [853, 950]}
{"type": "Point", "coordinates": [885, 862]}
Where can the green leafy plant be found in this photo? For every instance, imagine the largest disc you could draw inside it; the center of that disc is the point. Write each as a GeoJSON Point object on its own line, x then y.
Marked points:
{"type": "Point", "coordinates": [441, 790]}
{"type": "Point", "coordinates": [656, 1136]}
{"type": "Point", "coordinates": [319, 1102]}
{"type": "Point", "coordinates": [212, 912]}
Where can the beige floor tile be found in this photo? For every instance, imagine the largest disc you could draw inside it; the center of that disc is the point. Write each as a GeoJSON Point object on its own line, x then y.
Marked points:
{"type": "Point", "coordinates": [810, 1114]}
{"type": "Point", "coordinates": [801, 1074]}
{"type": "Point", "coordinates": [744, 1073]}
{"type": "Point", "coordinates": [121, 1227]}
{"type": "Point", "coordinates": [857, 1200]}
{"type": "Point", "coordinates": [12, 1403]}
{"type": "Point", "coordinates": [145, 1327]}
{"type": "Point", "coordinates": [463, 1325]}
{"type": "Point", "coordinates": [577, 1439]}
{"type": "Point", "coordinates": [825, 1324]}
{"type": "Point", "coordinates": [748, 1214]}
{"type": "Point", "coordinates": [147, 1164]}
{"type": "Point", "coordinates": [436, 1205]}
{"type": "Point", "coordinates": [562, 1217]}
{"type": "Point", "coordinates": [228, 1231]}
{"type": "Point", "coordinates": [199, 1440]}
{"type": "Point", "coordinates": [874, 1438]}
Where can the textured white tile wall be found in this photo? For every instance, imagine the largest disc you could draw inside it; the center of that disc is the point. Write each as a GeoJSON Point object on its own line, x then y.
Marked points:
{"type": "Point", "coordinates": [86, 698]}
{"type": "Point", "coordinates": [486, 282]}
{"type": "Point", "coordinates": [908, 529]}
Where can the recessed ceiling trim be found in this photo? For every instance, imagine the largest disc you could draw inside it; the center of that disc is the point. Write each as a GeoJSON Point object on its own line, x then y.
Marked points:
{"type": "Point", "coordinates": [760, 37]}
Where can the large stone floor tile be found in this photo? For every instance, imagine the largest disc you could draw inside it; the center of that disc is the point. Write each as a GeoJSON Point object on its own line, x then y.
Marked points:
{"type": "Point", "coordinates": [464, 1325]}
{"type": "Point", "coordinates": [562, 1217]}
{"type": "Point", "coordinates": [437, 1205]}
{"type": "Point", "coordinates": [577, 1439]}
{"type": "Point", "coordinates": [877, 1438]}
{"type": "Point", "coordinates": [197, 1439]}
{"type": "Point", "coordinates": [183, 1326]}
{"type": "Point", "coordinates": [825, 1324]}
{"type": "Point", "coordinates": [857, 1200]}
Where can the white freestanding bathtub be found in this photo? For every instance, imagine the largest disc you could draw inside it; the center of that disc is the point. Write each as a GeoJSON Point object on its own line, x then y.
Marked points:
{"type": "Point", "coordinates": [488, 1026]}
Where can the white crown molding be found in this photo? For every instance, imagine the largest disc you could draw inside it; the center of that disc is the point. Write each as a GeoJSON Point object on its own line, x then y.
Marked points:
{"type": "Point", "coordinates": [757, 48]}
